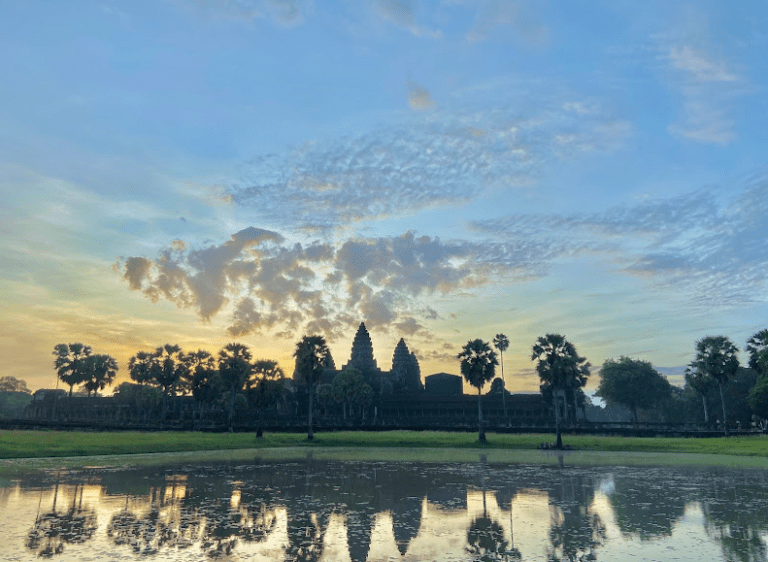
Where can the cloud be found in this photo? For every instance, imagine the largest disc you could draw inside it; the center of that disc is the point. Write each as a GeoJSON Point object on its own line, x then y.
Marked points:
{"type": "Point", "coordinates": [401, 14]}
{"type": "Point", "coordinates": [419, 98]}
{"type": "Point", "coordinates": [711, 251]}
{"type": "Point", "coordinates": [268, 285]}
{"type": "Point", "coordinates": [444, 157]}
{"type": "Point", "coordinates": [708, 86]}
{"type": "Point", "coordinates": [281, 12]}
{"type": "Point", "coordinates": [507, 13]}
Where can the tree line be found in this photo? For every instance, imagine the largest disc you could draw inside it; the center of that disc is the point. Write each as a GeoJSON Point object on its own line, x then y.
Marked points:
{"type": "Point", "coordinates": [627, 382]}
{"type": "Point", "coordinates": [233, 375]}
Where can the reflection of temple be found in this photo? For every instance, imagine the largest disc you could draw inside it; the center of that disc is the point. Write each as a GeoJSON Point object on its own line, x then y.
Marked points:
{"type": "Point", "coordinates": [313, 509]}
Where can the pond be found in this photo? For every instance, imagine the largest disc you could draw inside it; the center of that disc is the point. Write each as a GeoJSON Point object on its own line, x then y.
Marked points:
{"type": "Point", "coordinates": [340, 510]}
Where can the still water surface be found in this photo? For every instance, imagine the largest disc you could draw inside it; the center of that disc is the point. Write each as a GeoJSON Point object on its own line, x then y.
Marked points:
{"type": "Point", "coordinates": [325, 510]}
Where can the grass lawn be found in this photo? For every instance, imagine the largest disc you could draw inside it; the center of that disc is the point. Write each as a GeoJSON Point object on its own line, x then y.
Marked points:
{"type": "Point", "coordinates": [37, 444]}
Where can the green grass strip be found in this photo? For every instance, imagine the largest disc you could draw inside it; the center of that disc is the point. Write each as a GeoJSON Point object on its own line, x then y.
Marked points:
{"type": "Point", "coordinates": [38, 444]}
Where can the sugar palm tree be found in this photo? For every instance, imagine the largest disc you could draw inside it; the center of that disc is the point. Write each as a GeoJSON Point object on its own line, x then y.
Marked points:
{"type": "Point", "coordinates": [716, 358]}
{"type": "Point", "coordinates": [263, 387]}
{"type": "Point", "coordinates": [560, 368]}
{"type": "Point", "coordinates": [70, 363]}
{"type": "Point", "coordinates": [311, 354]}
{"type": "Point", "coordinates": [234, 367]}
{"type": "Point", "coordinates": [478, 365]}
{"type": "Point", "coordinates": [501, 343]}
{"type": "Point", "coordinates": [100, 371]}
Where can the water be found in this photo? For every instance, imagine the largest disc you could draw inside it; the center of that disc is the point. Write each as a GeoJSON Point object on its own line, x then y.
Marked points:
{"type": "Point", "coordinates": [329, 510]}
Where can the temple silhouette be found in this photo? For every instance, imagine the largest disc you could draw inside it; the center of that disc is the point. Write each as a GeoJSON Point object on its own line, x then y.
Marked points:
{"type": "Point", "coordinates": [400, 398]}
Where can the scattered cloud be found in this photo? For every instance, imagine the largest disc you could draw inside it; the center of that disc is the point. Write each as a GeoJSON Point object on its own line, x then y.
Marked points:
{"type": "Point", "coordinates": [710, 251]}
{"type": "Point", "coordinates": [419, 98]}
{"type": "Point", "coordinates": [514, 14]}
{"type": "Point", "coordinates": [708, 85]}
{"type": "Point", "coordinates": [401, 14]}
{"type": "Point", "coordinates": [444, 157]}
{"type": "Point", "coordinates": [282, 12]}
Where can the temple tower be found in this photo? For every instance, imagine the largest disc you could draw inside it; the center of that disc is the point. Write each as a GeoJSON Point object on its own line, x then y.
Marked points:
{"type": "Point", "coordinates": [362, 358]}
{"type": "Point", "coordinates": [406, 374]}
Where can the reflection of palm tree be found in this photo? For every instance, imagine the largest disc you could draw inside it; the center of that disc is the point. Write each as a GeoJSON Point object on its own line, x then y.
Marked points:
{"type": "Point", "coordinates": [485, 538]}
{"type": "Point", "coordinates": [305, 538]}
{"type": "Point", "coordinates": [164, 525]}
{"type": "Point", "coordinates": [53, 530]}
{"type": "Point", "coordinates": [738, 522]}
{"type": "Point", "coordinates": [486, 541]}
{"type": "Point", "coordinates": [575, 532]}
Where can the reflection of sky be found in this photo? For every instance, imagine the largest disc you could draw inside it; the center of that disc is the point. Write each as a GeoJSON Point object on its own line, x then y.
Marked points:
{"type": "Point", "coordinates": [441, 170]}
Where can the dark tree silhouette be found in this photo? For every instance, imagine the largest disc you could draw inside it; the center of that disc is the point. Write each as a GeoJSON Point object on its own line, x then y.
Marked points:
{"type": "Point", "coordinates": [632, 383]}
{"type": "Point", "coordinates": [70, 363]}
{"type": "Point", "coordinates": [234, 368]}
{"type": "Point", "coordinates": [757, 347]}
{"type": "Point", "coordinates": [263, 388]}
{"type": "Point", "coordinates": [560, 368]}
{"type": "Point", "coordinates": [100, 371]}
{"type": "Point", "coordinates": [202, 379]}
{"type": "Point", "coordinates": [716, 358]}
{"type": "Point", "coordinates": [478, 365]}
{"type": "Point", "coordinates": [501, 342]}
{"type": "Point", "coordinates": [311, 355]}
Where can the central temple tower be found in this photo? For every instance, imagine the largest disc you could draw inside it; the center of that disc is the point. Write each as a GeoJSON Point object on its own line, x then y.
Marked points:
{"type": "Point", "coordinates": [362, 358]}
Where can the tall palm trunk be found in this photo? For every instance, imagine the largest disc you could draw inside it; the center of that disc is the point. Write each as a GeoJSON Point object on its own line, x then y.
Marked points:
{"type": "Point", "coordinates": [480, 430]}
{"type": "Point", "coordinates": [722, 402]}
{"type": "Point", "coordinates": [706, 410]}
{"type": "Point", "coordinates": [559, 442]}
{"type": "Point", "coordinates": [310, 434]}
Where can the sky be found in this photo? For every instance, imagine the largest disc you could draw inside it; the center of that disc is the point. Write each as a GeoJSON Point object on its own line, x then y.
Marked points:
{"type": "Point", "coordinates": [205, 171]}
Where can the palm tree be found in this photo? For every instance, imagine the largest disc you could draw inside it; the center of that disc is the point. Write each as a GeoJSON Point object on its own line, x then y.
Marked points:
{"type": "Point", "coordinates": [311, 354]}
{"type": "Point", "coordinates": [478, 366]}
{"type": "Point", "coordinates": [169, 372]}
{"type": "Point", "coordinates": [143, 369]}
{"type": "Point", "coordinates": [559, 367]}
{"type": "Point", "coordinates": [263, 387]}
{"type": "Point", "coordinates": [501, 343]}
{"type": "Point", "coordinates": [235, 368]}
{"type": "Point", "coordinates": [700, 383]}
{"type": "Point", "coordinates": [100, 371]}
{"type": "Point", "coordinates": [757, 346]}
{"type": "Point", "coordinates": [716, 358]}
{"type": "Point", "coordinates": [201, 378]}
{"type": "Point", "coordinates": [70, 363]}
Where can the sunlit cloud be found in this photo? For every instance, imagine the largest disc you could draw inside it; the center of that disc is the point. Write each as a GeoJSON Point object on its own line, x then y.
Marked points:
{"type": "Point", "coordinates": [271, 287]}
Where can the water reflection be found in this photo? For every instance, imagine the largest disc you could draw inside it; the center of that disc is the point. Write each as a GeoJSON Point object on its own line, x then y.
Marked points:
{"type": "Point", "coordinates": [54, 529]}
{"type": "Point", "coordinates": [317, 510]}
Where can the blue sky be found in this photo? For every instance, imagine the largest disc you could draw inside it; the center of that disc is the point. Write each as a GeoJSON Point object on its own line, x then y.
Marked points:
{"type": "Point", "coordinates": [199, 172]}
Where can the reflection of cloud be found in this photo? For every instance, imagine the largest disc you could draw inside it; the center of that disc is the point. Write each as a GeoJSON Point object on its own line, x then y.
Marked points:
{"type": "Point", "coordinates": [419, 98]}
{"type": "Point", "coordinates": [440, 158]}
{"type": "Point", "coordinates": [715, 253]}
